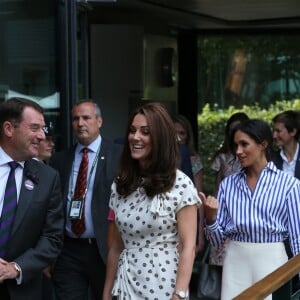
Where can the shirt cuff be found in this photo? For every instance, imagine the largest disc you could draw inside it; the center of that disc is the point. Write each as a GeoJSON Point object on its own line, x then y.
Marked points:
{"type": "Point", "coordinates": [212, 227]}
{"type": "Point", "coordinates": [20, 277]}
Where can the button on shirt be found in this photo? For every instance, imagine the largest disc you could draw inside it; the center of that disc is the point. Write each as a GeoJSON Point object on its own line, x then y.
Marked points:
{"type": "Point", "coordinates": [264, 215]}
{"type": "Point", "coordinates": [93, 148]}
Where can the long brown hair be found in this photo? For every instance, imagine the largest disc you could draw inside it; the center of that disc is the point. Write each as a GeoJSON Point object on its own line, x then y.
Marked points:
{"type": "Point", "coordinates": [159, 171]}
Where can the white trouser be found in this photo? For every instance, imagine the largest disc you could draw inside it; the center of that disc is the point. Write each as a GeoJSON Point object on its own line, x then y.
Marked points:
{"type": "Point", "coordinates": [247, 263]}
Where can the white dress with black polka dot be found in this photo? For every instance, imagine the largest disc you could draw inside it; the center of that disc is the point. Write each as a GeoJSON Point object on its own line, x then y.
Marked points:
{"type": "Point", "coordinates": [148, 264]}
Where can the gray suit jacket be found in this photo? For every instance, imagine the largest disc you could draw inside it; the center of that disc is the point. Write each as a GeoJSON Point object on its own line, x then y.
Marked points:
{"type": "Point", "coordinates": [105, 173]}
{"type": "Point", "coordinates": [37, 233]}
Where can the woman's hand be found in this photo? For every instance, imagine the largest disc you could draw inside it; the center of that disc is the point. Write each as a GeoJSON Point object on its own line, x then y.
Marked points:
{"type": "Point", "coordinates": [211, 206]}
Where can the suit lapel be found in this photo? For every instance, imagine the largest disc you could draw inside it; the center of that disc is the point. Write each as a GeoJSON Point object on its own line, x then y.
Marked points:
{"type": "Point", "coordinates": [68, 164]}
{"type": "Point", "coordinates": [100, 163]}
{"type": "Point", "coordinates": [29, 184]}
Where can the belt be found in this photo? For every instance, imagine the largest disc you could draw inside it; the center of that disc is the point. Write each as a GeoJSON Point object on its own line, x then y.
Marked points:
{"type": "Point", "coordinates": [81, 241]}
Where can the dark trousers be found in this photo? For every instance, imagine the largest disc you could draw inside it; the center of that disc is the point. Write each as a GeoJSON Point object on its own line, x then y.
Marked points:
{"type": "Point", "coordinates": [4, 295]}
{"type": "Point", "coordinates": [79, 271]}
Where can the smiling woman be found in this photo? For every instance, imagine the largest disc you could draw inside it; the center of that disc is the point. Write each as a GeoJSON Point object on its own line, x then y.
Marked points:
{"type": "Point", "coordinates": [155, 217]}
{"type": "Point", "coordinates": [256, 208]}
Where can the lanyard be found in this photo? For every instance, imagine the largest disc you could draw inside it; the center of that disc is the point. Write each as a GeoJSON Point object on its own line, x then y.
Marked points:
{"type": "Point", "coordinates": [90, 174]}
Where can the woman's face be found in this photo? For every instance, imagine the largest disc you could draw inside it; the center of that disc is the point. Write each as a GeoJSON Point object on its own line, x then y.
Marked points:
{"type": "Point", "coordinates": [248, 151]}
{"type": "Point", "coordinates": [139, 138]}
{"type": "Point", "coordinates": [281, 135]}
{"type": "Point", "coordinates": [181, 133]}
{"type": "Point", "coordinates": [46, 148]}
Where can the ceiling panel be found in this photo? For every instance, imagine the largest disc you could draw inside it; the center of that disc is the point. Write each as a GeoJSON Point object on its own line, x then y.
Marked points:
{"type": "Point", "coordinates": [203, 14]}
{"type": "Point", "coordinates": [235, 10]}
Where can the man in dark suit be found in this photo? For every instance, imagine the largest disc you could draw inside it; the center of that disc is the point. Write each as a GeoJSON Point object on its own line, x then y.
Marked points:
{"type": "Point", "coordinates": [81, 265]}
{"type": "Point", "coordinates": [36, 230]}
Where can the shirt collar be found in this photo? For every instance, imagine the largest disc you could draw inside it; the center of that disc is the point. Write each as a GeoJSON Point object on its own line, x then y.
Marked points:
{"type": "Point", "coordinates": [5, 158]}
{"type": "Point", "coordinates": [93, 146]}
{"type": "Point", "coordinates": [282, 154]}
{"type": "Point", "coordinates": [269, 167]}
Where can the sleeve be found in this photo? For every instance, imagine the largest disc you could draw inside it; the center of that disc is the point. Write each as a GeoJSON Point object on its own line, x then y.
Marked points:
{"type": "Point", "coordinates": [188, 194]}
{"type": "Point", "coordinates": [293, 208]}
{"type": "Point", "coordinates": [48, 224]}
{"type": "Point", "coordinates": [113, 196]}
{"type": "Point", "coordinates": [215, 232]}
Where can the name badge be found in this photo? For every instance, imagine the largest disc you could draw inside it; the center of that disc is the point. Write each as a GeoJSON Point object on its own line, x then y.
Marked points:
{"type": "Point", "coordinates": [75, 210]}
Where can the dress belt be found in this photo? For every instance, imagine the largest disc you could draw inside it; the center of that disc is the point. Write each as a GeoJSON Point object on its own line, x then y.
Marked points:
{"type": "Point", "coordinates": [81, 241]}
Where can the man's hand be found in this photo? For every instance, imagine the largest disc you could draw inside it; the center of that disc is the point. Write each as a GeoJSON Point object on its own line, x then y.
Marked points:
{"type": "Point", "coordinates": [48, 272]}
{"type": "Point", "coordinates": [7, 270]}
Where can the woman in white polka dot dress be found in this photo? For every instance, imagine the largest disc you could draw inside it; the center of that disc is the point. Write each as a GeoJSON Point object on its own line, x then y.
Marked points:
{"type": "Point", "coordinates": [152, 238]}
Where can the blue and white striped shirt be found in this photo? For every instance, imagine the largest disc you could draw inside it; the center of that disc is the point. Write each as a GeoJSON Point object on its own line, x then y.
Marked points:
{"type": "Point", "coordinates": [268, 214]}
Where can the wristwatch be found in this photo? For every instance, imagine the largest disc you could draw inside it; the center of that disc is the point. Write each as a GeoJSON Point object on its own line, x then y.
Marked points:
{"type": "Point", "coordinates": [181, 294]}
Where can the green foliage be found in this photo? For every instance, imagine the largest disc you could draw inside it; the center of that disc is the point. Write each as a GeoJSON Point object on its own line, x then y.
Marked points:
{"type": "Point", "coordinates": [212, 122]}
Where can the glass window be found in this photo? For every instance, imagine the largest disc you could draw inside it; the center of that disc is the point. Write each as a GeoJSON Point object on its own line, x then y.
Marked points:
{"type": "Point", "coordinates": [28, 52]}
{"type": "Point", "coordinates": [247, 69]}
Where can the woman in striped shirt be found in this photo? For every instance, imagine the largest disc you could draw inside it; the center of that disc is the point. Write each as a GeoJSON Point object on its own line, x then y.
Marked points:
{"type": "Point", "coordinates": [257, 208]}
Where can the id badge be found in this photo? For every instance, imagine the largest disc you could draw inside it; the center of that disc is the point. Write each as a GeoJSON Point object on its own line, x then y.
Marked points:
{"type": "Point", "coordinates": [75, 210]}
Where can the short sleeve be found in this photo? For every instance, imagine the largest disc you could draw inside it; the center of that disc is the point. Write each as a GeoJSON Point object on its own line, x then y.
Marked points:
{"type": "Point", "coordinates": [186, 191]}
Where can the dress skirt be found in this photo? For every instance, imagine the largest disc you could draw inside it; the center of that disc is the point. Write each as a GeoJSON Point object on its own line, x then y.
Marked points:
{"type": "Point", "coordinates": [247, 263]}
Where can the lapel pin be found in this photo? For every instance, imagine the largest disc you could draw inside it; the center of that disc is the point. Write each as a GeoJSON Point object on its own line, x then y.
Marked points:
{"type": "Point", "coordinates": [102, 157]}
{"type": "Point", "coordinates": [29, 185]}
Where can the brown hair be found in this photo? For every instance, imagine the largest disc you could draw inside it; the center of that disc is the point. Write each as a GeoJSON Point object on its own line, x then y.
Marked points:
{"type": "Point", "coordinates": [185, 123]}
{"type": "Point", "coordinates": [291, 120]}
{"type": "Point", "coordinates": [159, 171]}
{"type": "Point", "coordinates": [12, 110]}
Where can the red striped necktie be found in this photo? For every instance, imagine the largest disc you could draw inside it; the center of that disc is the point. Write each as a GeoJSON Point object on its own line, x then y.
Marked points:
{"type": "Point", "coordinates": [78, 225]}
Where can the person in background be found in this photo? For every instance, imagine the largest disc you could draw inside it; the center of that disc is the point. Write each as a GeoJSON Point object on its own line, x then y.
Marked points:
{"type": "Point", "coordinates": [46, 146]}
{"type": "Point", "coordinates": [184, 131]}
{"type": "Point", "coordinates": [185, 135]}
{"type": "Point", "coordinates": [286, 134]}
{"type": "Point", "coordinates": [34, 217]}
{"type": "Point", "coordinates": [256, 208]}
{"type": "Point", "coordinates": [152, 250]}
{"type": "Point", "coordinates": [224, 164]}
{"type": "Point", "coordinates": [87, 171]}
{"type": "Point", "coordinates": [44, 153]}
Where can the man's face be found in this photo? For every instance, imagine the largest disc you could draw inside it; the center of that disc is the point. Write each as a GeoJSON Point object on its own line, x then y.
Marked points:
{"type": "Point", "coordinates": [85, 123]}
{"type": "Point", "coordinates": [26, 136]}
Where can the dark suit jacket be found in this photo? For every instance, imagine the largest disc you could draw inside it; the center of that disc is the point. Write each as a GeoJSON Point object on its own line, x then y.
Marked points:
{"type": "Point", "coordinates": [105, 174]}
{"type": "Point", "coordinates": [278, 161]}
{"type": "Point", "coordinates": [185, 163]}
{"type": "Point", "coordinates": [37, 233]}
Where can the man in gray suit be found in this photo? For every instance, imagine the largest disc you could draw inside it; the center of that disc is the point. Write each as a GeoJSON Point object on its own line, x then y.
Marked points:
{"type": "Point", "coordinates": [81, 265]}
{"type": "Point", "coordinates": [31, 229]}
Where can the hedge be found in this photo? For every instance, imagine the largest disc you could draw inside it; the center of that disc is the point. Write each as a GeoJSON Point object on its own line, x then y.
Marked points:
{"type": "Point", "coordinates": [211, 127]}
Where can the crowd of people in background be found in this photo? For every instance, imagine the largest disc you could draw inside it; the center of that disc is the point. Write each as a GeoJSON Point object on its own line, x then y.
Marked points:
{"type": "Point", "coordinates": [107, 220]}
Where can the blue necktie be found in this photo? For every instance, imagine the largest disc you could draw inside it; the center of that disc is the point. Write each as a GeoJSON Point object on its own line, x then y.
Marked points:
{"type": "Point", "coordinates": [8, 209]}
